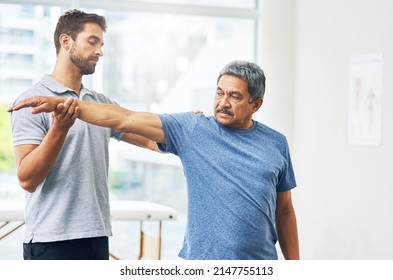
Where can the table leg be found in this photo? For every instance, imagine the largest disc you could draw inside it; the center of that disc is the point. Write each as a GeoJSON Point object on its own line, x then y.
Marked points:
{"type": "Point", "coordinates": [11, 231]}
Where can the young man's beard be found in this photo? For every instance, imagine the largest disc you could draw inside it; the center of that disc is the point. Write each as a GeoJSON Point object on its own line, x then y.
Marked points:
{"type": "Point", "coordinates": [82, 63]}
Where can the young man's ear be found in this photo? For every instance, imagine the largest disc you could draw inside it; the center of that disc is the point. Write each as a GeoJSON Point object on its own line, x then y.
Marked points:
{"type": "Point", "coordinates": [65, 41]}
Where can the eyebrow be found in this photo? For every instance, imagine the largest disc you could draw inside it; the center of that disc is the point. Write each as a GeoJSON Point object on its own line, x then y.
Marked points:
{"type": "Point", "coordinates": [232, 91]}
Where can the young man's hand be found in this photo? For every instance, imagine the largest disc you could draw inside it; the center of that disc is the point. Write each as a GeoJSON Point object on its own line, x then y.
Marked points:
{"type": "Point", "coordinates": [66, 113]}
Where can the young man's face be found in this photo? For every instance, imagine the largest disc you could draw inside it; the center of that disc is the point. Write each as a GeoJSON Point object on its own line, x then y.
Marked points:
{"type": "Point", "coordinates": [231, 103]}
{"type": "Point", "coordinates": [87, 48]}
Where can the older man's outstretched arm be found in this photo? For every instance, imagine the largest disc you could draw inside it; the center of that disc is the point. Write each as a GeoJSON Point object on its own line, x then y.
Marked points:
{"type": "Point", "coordinates": [142, 123]}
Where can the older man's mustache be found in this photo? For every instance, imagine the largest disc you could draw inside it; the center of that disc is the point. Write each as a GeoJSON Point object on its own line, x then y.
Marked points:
{"type": "Point", "coordinates": [224, 111]}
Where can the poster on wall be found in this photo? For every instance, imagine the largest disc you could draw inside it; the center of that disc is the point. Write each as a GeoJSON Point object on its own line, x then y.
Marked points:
{"type": "Point", "coordinates": [365, 91]}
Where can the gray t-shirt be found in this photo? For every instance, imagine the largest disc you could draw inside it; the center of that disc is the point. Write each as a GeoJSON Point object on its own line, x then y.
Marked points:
{"type": "Point", "coordinates": [233, 176]}
{"type": "Point", "coordinates": [73, 201]}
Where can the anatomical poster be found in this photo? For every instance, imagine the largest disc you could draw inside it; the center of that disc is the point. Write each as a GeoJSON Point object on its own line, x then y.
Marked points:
{"type": "Point", "coordinates": [365, 92]}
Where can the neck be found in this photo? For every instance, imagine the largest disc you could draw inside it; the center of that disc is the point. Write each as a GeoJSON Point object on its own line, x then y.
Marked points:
{"type": "Point", "coordinates": [68, 76]}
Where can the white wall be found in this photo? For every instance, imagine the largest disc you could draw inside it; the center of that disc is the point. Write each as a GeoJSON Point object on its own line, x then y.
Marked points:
{"type": "Point", "coordinates": [343, 201]}
{"type": "Point", "coordinates": [276, 55]}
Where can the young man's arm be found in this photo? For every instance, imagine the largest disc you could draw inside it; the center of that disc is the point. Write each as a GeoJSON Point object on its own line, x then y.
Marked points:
{"type": "Point", "coordinates": [286, 226]}
{"type": "Point", "coordinates": [142, 123]}
{"type": "Point", "coordinates": [34, 162]}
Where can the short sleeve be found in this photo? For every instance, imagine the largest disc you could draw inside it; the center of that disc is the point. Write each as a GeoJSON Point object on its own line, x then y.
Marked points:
{"type": "Point", "coordinates": [29, 128]}
{"type": "Point", "coordinates": [177, 130]}
{"type": "Point", "coordinates": [287, 179]}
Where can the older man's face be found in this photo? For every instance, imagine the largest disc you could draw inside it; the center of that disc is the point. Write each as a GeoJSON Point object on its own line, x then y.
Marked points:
{"type": "Point", "coordinates": [231, 103]}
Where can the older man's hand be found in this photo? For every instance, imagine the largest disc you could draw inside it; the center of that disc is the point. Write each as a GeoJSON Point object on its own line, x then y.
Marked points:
{"type": "Point", "coordinates": [39, 104]}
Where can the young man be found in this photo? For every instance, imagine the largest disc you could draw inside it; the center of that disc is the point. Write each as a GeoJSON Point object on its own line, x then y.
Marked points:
{"type": "Point", "coordinates": [62, 162]}
{"type": "Point", "coordinates": [239, 172]}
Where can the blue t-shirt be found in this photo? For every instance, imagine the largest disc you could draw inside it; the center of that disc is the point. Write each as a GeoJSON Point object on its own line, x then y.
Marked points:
{"type": "Point", "coordinates": [233, 176]}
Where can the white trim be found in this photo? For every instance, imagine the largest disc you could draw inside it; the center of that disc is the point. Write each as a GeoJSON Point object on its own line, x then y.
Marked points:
{"type": "Point", "coordinates": [139, 6]}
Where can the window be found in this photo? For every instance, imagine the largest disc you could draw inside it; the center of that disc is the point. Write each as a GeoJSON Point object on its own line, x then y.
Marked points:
{"type": "Point", "coordinates": [166, 62]}
{"type": "Point", "coordinates": [216, 3]}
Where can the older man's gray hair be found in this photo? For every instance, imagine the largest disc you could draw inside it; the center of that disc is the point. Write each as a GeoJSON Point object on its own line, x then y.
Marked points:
{"type": "Point", "coordinates": [249, 72]}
